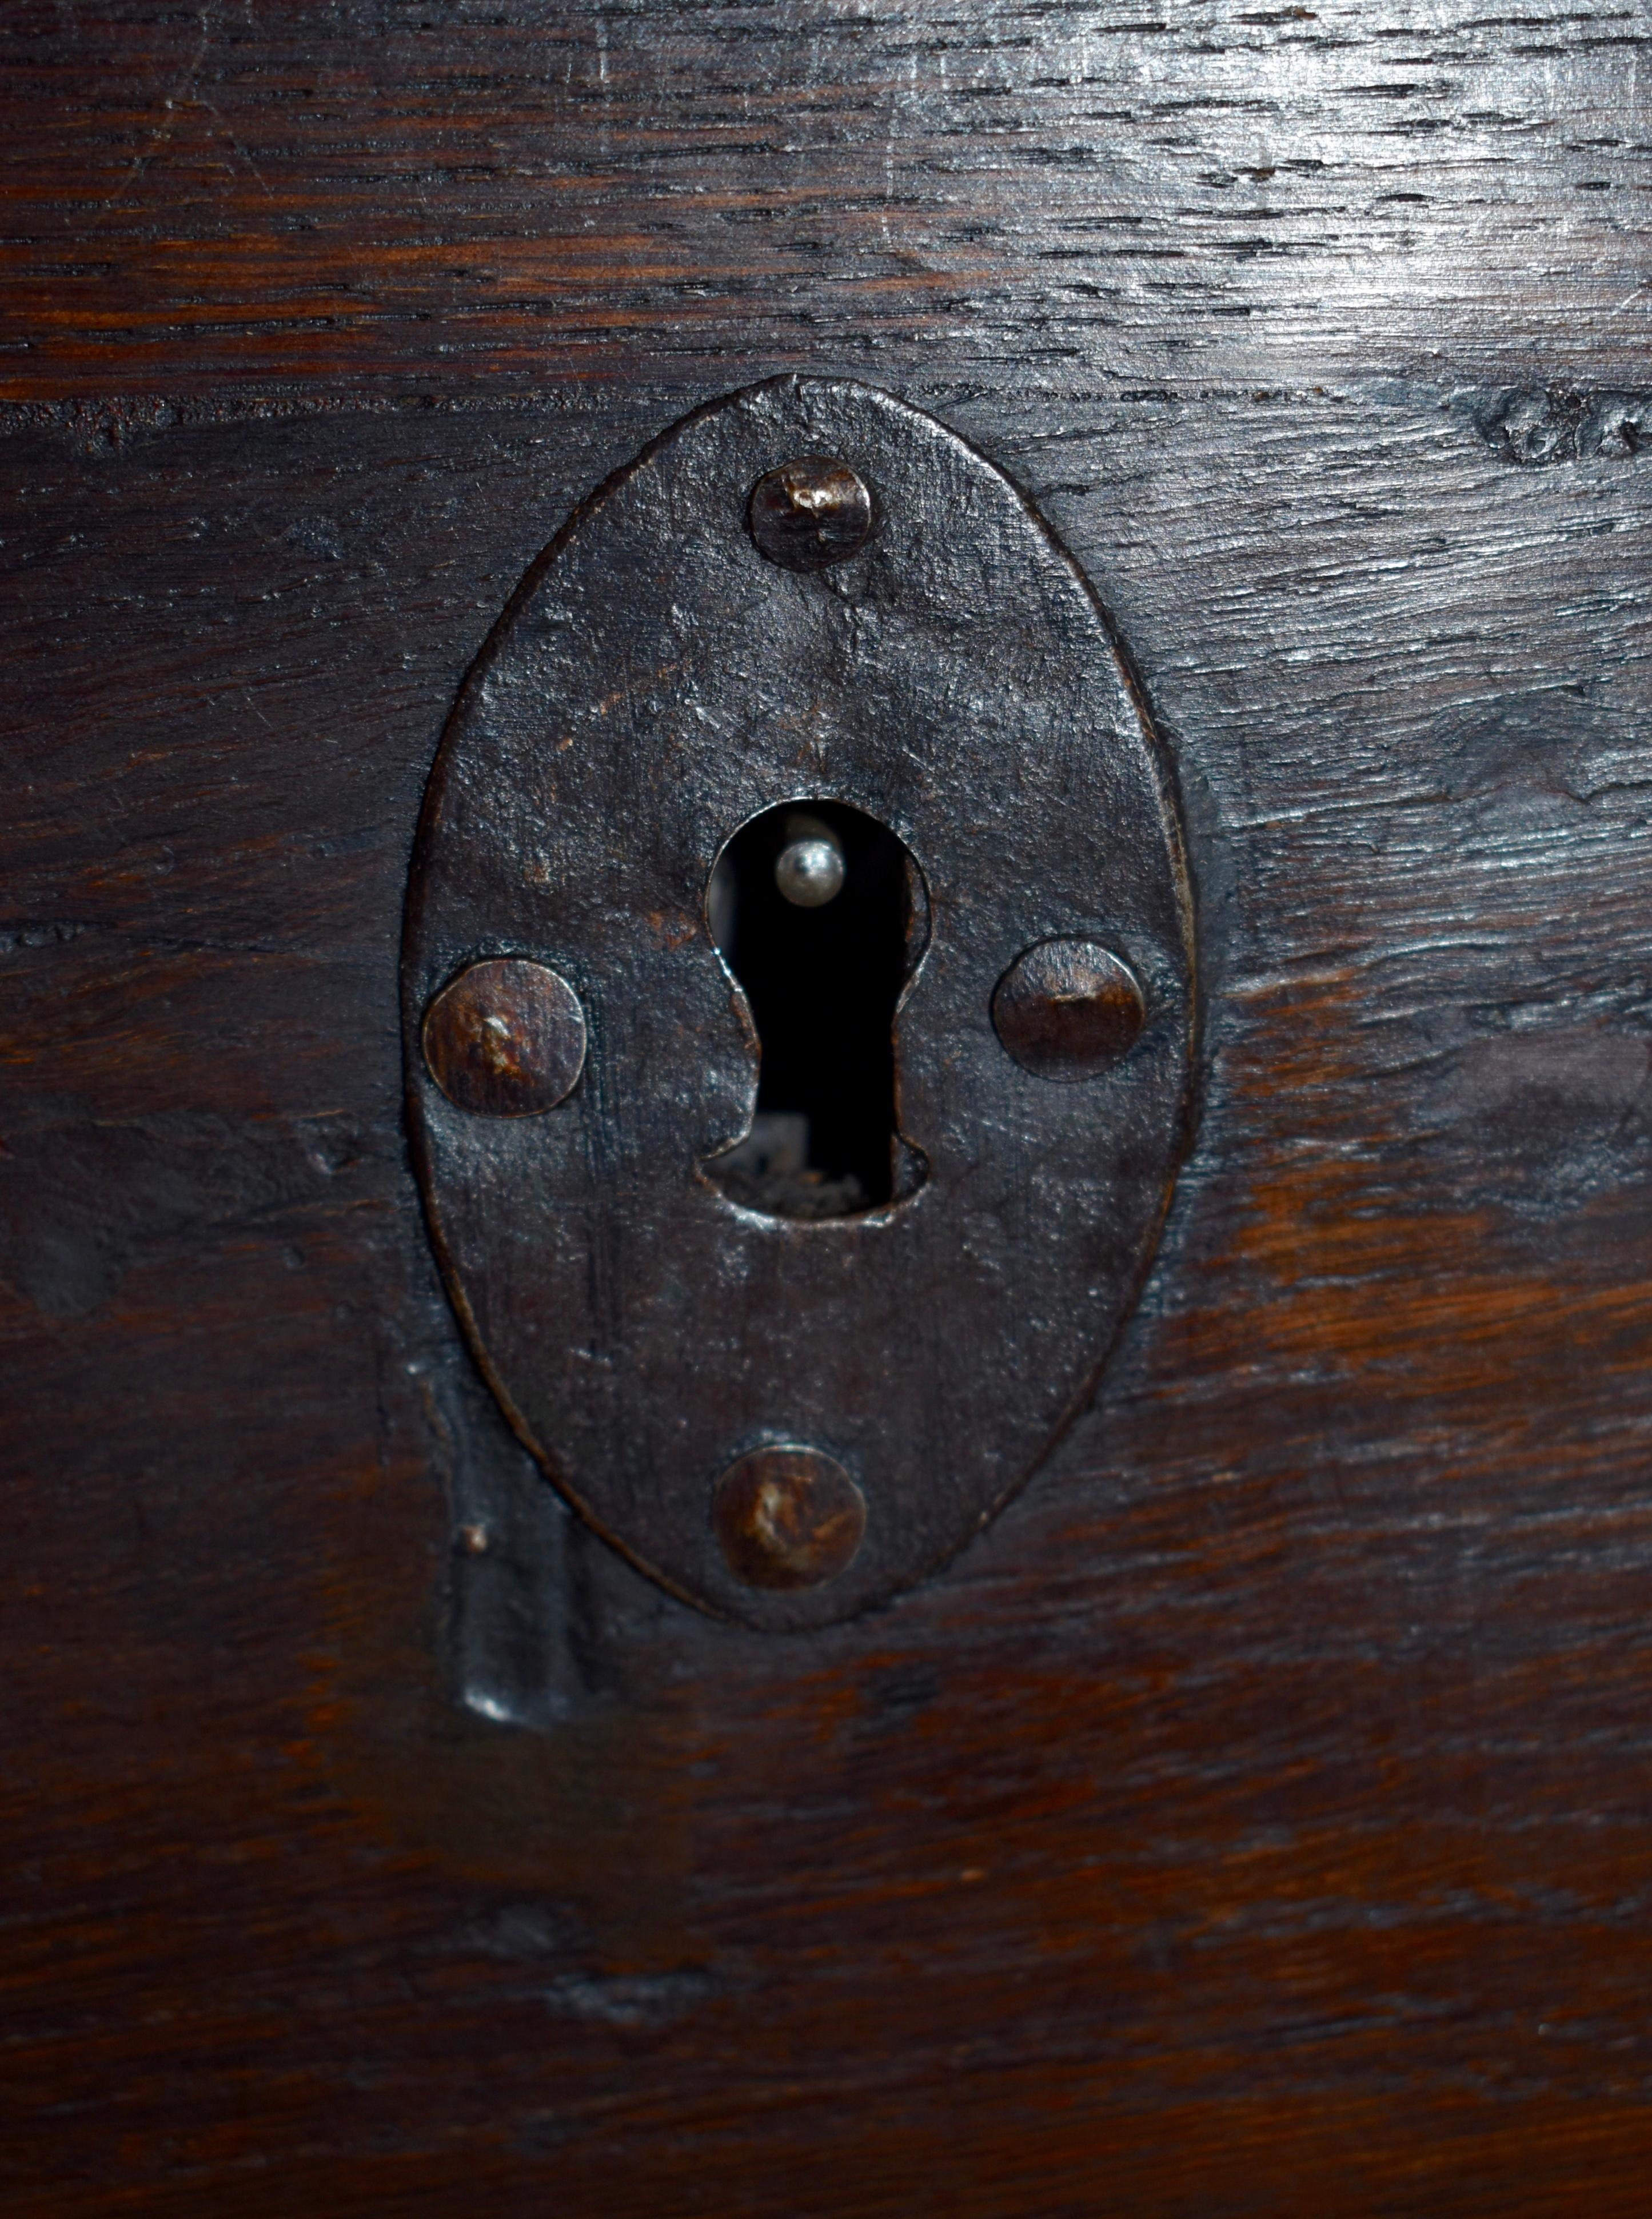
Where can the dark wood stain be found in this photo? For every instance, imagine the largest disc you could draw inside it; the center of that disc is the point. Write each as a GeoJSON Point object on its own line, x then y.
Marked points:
{"type": "Point", "coordinates": [1257, 1819]}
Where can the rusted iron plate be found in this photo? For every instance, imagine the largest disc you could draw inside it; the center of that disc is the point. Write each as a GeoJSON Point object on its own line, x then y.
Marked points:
{"type": "Point", "coordinates": [657, 682]}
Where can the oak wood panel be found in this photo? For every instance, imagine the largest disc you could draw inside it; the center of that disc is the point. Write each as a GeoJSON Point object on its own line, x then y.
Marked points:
{"type": "Point", "coordinates": [209, 193]}
{"type": "Point", "coordinates": [1257, 1819]}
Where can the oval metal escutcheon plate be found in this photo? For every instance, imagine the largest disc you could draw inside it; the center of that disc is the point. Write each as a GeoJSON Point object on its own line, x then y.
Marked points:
{"type": "Point", "coordinates": [787, 1378]}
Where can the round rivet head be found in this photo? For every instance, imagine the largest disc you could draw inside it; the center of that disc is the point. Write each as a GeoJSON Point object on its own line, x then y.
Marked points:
{"type": "Point", "coordinates": [1067, 1009]}
{"type": "Point", "coordinates": [505, 1038]}
{"type": "Point", "coordinates": [788, 1517]}
{"type": "Point", "coordinates": [810, 514]}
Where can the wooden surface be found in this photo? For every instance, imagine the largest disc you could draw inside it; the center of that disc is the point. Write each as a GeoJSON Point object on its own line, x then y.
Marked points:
{"type": "Point", "coordinates": [1258, 1819]}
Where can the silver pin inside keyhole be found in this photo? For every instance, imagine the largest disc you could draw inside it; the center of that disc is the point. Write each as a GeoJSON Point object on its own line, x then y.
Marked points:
{"type": "Point", "coordinates": [809, 869]}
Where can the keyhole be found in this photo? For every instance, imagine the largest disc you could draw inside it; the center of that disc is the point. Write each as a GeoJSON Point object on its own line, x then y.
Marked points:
{"type": "Point", "coordinates": [820, 913]}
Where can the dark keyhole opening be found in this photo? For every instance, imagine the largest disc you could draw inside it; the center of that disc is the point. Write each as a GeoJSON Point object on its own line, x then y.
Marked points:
{"type": "Point", "coordinates": [823, 983]}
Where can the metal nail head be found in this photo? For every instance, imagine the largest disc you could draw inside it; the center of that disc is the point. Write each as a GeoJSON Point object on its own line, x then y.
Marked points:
{"type": "Point", "coordinates": [1067, 1009]}
{"type": "Point", "coordinates": [810, 514]}
{"type": "Point", "coordinates": [505, 1038]}
{"type": "Point", "coordinates": [788, 1517]}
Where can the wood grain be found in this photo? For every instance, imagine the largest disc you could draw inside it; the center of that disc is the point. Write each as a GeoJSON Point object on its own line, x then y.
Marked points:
{"type": "Point", "coordinates": [1258, 1819]}
{"type": "Point", "coordinates": [199, 194]}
